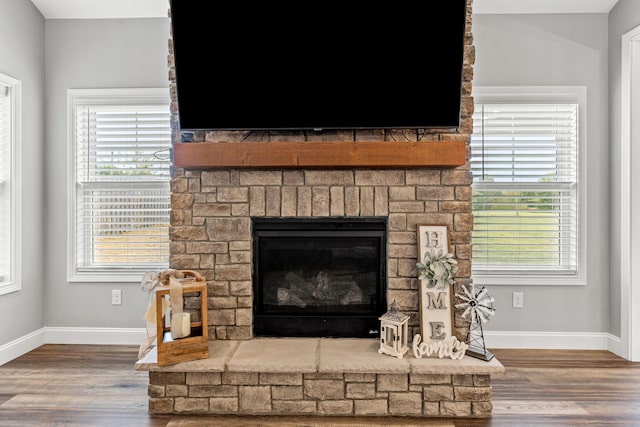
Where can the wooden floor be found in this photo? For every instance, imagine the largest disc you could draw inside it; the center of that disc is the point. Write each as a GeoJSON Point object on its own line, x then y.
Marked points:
{"type": "Point", "coordinates": [83, 385]}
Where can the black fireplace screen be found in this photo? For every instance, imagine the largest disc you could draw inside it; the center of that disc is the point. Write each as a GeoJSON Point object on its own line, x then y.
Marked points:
{"type": "Point", "coordinates": [319, 277]}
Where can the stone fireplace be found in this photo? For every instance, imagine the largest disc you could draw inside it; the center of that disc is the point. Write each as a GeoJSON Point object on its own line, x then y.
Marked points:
{"type": "Point", "coordinates": [299, 229]}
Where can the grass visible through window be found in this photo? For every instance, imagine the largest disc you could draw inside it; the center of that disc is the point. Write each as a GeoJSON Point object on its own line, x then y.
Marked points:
{"type": "Point", "coordinates": [140, 245]}
{"type": "Point", "coordinates": [516, 238]}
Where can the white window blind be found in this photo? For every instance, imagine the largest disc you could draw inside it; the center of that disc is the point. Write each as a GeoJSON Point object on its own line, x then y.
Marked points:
{"type": "Point", "coordinates": [122, 196]}
{"type": "Point", "coordinates": [5, 187]}
{"type": "Point", "coordinates": [525, 188]}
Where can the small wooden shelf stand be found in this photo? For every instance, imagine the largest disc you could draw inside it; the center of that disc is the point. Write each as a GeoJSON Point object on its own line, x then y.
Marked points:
{"type": "Point", "coordinates": [196, 345]}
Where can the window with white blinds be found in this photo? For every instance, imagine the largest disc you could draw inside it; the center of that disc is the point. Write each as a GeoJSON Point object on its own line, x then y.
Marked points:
{"type": "Point", "coordinates": [526, 192]}
{"type": "Point", "coordinates": [10, 93]}
{"type": "Point", "coordinates": [122, 197]}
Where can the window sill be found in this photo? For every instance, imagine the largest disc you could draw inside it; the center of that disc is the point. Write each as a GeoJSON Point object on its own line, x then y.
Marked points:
{"type": "Point", "coordinates": [7, 288]}
{"type": "Point", "coordinates": [527, 280]}
{"type": "Point", "coordinates": [110, 276]}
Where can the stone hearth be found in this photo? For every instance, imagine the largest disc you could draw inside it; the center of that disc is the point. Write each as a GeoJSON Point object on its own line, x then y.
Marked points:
{"type": "Point", "coordinates": [319, 376]}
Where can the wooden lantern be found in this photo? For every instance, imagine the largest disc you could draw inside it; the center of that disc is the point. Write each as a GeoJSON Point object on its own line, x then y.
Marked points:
{"type": "Point", "coordinates": [394, 332]}
{"type": "Point", "coordinates": [195, 345]}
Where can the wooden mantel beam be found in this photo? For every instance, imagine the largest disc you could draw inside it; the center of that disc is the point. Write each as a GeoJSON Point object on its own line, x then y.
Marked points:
{"type": "Point", "coordinates": [362, 154]}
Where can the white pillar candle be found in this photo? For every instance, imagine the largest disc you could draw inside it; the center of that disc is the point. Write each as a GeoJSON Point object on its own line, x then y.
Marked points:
{"type": "Point", "coordinates": [186, 324]}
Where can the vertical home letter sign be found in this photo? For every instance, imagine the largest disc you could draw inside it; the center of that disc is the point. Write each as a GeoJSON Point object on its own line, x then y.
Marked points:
{"type": "Point", "coordinates": [436, 313]}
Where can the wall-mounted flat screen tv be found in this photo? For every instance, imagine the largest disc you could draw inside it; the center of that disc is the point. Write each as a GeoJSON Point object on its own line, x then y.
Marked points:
{"type": "Point", "coordinates": [318, 65]}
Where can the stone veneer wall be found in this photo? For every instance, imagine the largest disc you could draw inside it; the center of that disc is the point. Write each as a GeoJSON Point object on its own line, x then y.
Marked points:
{"type": "Point", "coordinates": [211, 209]}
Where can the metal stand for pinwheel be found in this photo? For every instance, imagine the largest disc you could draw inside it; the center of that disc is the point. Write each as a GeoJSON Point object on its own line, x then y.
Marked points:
{"type": "Point", "coordinates": [478, 308]}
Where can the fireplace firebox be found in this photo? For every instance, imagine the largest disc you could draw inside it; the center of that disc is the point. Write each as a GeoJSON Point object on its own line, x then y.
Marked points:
{"type": "Point", "coordinates": [319, 277]}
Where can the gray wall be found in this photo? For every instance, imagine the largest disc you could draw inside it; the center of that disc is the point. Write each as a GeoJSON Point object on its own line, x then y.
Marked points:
{"type": "Point", "coordinates": [91, 54]}
{"type": "Point", "coordinates": [22, 57]}
{"type": "Point", "coordinates": [623, 18]}
{"type": "Point", "coordinates": [547, 50]}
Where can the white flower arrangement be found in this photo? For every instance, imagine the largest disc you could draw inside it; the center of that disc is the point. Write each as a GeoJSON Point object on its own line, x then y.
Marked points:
{"type": "Point", "coordinates": [437, 268]}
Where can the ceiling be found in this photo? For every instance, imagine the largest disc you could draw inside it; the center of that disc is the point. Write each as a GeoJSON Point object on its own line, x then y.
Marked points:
{"type": "Point", "coordinates": [543, 6]}
{"type": "Point", "coordinates": [98, 9]}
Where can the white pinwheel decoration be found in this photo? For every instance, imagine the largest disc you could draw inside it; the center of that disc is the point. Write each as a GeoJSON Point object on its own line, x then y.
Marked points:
{"type": "Point", "coordinates": [478, 306]}
{"type": "Point", "coordinates": [478, 309]}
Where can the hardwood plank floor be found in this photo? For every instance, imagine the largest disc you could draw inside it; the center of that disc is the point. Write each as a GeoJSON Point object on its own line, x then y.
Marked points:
{"type": "Point", "coordinates": [91, 385]}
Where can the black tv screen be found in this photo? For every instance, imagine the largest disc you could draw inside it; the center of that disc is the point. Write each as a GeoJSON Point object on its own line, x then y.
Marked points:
{"type": "Point", "coordinates": [318, 65]}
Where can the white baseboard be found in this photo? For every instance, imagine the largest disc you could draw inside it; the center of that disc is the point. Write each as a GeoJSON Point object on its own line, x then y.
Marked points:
{"type": "Point", "coordinates": [553, 340]}
{"type": "Point", "coordinates": [615, 345]}
{"type": "Point", "coordinates": [135, 336]}
{"type": "Point", "coordinates": [96, 336]}
{"type": "Point", "coordinates": [20, 346]}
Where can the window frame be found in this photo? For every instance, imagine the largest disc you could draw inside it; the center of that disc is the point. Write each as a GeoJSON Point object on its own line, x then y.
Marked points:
{"type": "Point", "coordinates": [106, 97]}
{"type": "Point", "coordinates": [13, 141]}
{"type": "Point", "coordinates": [545, 95]}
